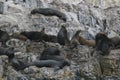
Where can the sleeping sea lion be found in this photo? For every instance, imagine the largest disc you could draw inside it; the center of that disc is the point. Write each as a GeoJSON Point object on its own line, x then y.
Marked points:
{"type": "Point", "coordinates": [49, 12]}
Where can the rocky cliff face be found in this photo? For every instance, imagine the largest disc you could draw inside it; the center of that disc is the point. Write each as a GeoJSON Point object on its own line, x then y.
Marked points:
{"type": "Point", "coordinates": [91, 16]}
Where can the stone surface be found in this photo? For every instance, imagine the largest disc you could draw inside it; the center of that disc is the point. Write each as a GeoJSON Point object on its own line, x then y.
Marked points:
{"type": "Point", "coordinates": [1, 7]}
{"type": "Point", "coordinates": [87, 15]}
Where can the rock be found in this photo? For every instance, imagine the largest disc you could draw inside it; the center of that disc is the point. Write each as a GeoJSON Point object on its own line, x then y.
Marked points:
{"type": "Point", "coordinates": [72, 1]}
{"type": "Point", "coordinates": [92, 16]}
{"type": "Point", "coordinates": [1, 7]}
{"type": "Point", "coordinates": [110, 64]}
{"type": "Point", "coordinates": [1, 67]}
{"type": "Point", "coordinates": [103, 4]}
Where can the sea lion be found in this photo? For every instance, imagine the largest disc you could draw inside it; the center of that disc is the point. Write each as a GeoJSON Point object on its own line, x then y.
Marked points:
{"type": "Point", "coordinates": [19, 36]}
{"type": "Point", "coordinates": [49, 58]}
{"type": "Point", "coordinates": [62, 36]}
{"type": "Point", "coordinates": [39, 36]}
{"type": "Point", "coordinates": [34, 35]}
{"type": "Point", "coordinates": [52, 54]}
{"type": "Point", "coordinates": [51, 63]}
{"type": "Point", "coordinates": [4, 37]}
{"type": "Point", "coordinates": [102, 43]}
{"type": "Point", "coordinates": [17, 64]}
{"type": "Point", "coordinates": [11, 57]}
{"type": "Point", "coordinates": [49, 12]}
{"type": "Point", "coordinates": [77, 39]}
{"type": "Point", "coordinates": [46, 63]}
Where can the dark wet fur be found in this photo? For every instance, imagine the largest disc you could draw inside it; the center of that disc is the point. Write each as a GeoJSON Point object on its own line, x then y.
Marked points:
{"type": "Point", "coordinates": [33, 35]}
{"type": "Point", "coordinates": [17, 64]}
{"type": "Point", "coordinates": [50, 63]}
{"type": "Point", "coordinates": [102, 44]}
{"type": "Point", "coordinates": [53, 62]}
{"type": "Point", "coordinates": [18, 36]}
{"type": "Point", "coordinates": [49, 38]}
{"type": "Point", "coordinates": [49, 12]}
{"type": "Point", "coordinates": [39, 36]}
{"type": "Point", "coordinates": [62, 37]}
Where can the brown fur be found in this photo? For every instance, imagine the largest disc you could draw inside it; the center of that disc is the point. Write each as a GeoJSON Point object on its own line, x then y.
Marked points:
{"type": "Point", "coordinates": [86, 42]}
{"type": "Point", "coordinates": [19, 36]}
{"type": "Point", "coordinates": [77, 39]}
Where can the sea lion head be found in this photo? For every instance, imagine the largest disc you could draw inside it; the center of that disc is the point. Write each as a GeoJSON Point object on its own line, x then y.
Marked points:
{"type": "Point", "coordinates": [34, 11]}
{"type": "Point", "coordinates": [102, 43]}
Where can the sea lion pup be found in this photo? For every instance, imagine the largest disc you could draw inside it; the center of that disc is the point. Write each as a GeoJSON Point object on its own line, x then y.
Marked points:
{"type": "Point", "coordinates": [102, 43]}
{"type": "Point", "coordinates": [19, 36]}
{"type": "Point", "coordinates": [4, 37]}
{"type": "Point", "coordinates": [49, 12]}
{"type": "Point", "coordinates": [33, 35]}
{"type": "Point", "coordinates": [62, 36]}
{"type": "Point", "coordinates": [47, 63]}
